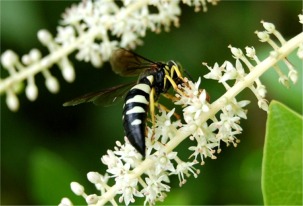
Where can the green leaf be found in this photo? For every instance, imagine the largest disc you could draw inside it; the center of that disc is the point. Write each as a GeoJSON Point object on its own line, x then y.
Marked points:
{"type": "Point", "coordinates": [282, 160]}
{"type": "Point", "coordinates": [50, 178]}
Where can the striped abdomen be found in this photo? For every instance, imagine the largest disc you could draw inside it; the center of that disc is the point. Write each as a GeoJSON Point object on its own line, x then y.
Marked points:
{"type": "Point", "coordinates": [135, 112]}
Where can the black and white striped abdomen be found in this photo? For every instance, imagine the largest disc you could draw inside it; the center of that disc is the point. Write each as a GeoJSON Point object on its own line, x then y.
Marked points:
{"type": "Point", "coordinates": [135, 113]}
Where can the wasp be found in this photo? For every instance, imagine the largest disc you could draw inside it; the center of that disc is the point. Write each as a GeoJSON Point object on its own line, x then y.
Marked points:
{"type": "Point", "coordinates": [155, 78]}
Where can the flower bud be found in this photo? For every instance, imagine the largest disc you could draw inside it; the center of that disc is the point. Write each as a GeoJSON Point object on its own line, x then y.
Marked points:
{"type": "Point", "coordinates": [293, 75]}
{"type": "Point", "coordinates": [91, 199]}
{"type": "Point", "coordinates": [52, 84]}
{"type": "Point", "coordinates": [236, 52]}
{"type": "Point", "coordinates": [44, 36]}
{"type": "Point", "coordinates": [12, 101]}
{"type": "Point", "coordinates": [263, 104]}
{"type": "Point", "coordinates": [263, 36]}
{"type": "Point", "coordinates": [31, 91]}
{"type": "Point", "coordinates": [35, 55]}
{"type": "Point", "coordinates": [268, 26]}
{"type": "Point", "coordinates": [250, 51]}
{"type": "Point", "coordinates": [77, 188]}
{"type": "Point", "coordinates": [65, 202]}
{"type": "Point", "coordinates": [9, 58]}
{"type": "Point", "coordinates": [68, 71]}
{"type": "Point", "coordinates": [26, 60]}
{"type": "Point", "coordinates": [94, 177]}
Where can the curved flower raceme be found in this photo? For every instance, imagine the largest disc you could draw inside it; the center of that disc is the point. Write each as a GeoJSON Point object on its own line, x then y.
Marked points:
{"type": "Point", "coordinates": [92, 29]}
{"type": "Point", "coordinates": [206, 124]}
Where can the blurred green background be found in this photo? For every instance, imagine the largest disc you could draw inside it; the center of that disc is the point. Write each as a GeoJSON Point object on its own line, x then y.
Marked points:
{"type": "Point", "coordinates": [45, 146]}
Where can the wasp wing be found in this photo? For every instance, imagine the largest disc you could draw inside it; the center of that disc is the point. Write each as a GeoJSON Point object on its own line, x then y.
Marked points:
{"type": "Point", "coordinates": [128, 63]}
{"type": "Point", "coordinates": [105, 97]}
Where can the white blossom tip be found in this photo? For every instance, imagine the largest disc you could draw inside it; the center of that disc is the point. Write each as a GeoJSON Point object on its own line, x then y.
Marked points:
{"type": "Point", "coordinates": [92, 199]}
{"type": "Point", "coordinates": [52, 84]}
{"type": "Point", "coordinates": [262, 103]}
{"type": "Point", "coordinates": [31, 91]}
{"type": "Point", "coordinates": [94, 177]}
{"type": "Point", "coordinates": [300, 18]}
{"type": "Point", "coordinates": [68, 72]}
{"type": "Point", "coordinates": [65, 202]}
{"type": "Point", "coordinates": [9, 58]}
{"type": "Point", "coordinates": [237, 53]}
{"type": "Point", "coordinates": [77, 188]}
{"type": "Point", "coordinates": [293, 76]}
{"type": "Point", "coordinates": [250, 51]}
{"type": "Point", "coordinates": [263, 36]}
{"type": "Point", "coordinates": [12, 101]}
{"type": "Point", "coordinates": [35, 55]}
{"type": "Point", "coordinates": [44, 36]}
{"type": "Point", "coordinates": [268, 26]}
{"type": "Point", "coordinates": [26, 60]}
{"type": "Point", "coordinates": [261, 90]}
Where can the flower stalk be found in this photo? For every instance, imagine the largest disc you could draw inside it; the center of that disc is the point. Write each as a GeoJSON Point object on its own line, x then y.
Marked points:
{"type": "Point", "coordinates": [215, 107]}
{"type": "Point", "coordinates": [94, 28]}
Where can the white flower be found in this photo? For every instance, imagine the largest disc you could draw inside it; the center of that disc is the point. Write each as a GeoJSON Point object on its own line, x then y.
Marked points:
{"type": "Point", "coordinates": [155, 188]}
{"type": "Point", "coordinates": [263, 104]}
{"type": "Point", "coordinates": [107, 47]}
{"type": "Point", "coordinates": [153, 145]}
{"type": "Point", "coordinates": [229, 122]}
{"type": "Point", "coordinates": [90, 51]}
{"type": "Point", "coordinates": [250, 52]}
{"type": "Point", "coordinates": [204, 148]}
{"type": "Point", "coordinates": [164, 162]}
{"type": "Point", "coordinates": [236, 108]}
{"type": "Point", "coordinates": [196, 101]}
{"type": "Point", "coordinates": [111, 160]}
{"type": "Point", "coordinates": [183, 168]}
{"type": "Point", "coordinates": [263, 36]}
{"type": "Point", "coordinates": [230, 72]}
{"type": "Point", "coordinates": [120, 169]}
{"type": "Point", "coordinates": [66, 35]}
{"type": "Point", "coordinates": [237, 53]}
{"type": "Point", "coordinates": [215, 72]}
{"type": "Point", "coordinates": [127, 187]}
{"type": "Point", "coordinates": [165, 128]}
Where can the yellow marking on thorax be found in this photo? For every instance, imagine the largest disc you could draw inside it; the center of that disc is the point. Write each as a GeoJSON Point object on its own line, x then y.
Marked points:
{"type": "Point", "coordinates": [150, 79]}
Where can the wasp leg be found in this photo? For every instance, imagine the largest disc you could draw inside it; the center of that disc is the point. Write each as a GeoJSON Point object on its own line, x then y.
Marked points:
{"type": "Point", "coordinates": [152, 109]}
{"type": "Point", "coordinates": [174, 85]}
{"type": "Point", "coordinates": [176, 69]}
{"type": "Point", "coordinates": [169, 96]}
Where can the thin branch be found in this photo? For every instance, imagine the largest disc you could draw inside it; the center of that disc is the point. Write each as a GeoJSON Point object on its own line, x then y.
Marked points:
{"type": "Point", "coordinates": [256, 72]}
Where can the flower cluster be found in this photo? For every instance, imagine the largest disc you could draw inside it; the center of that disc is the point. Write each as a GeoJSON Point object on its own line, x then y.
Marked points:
{"type": "Point", "coordinates": [93, 28]}
{"type": "Point", "coordinates": [206, 124]}
{"type": "Point", "coordinates": [150, 178]}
